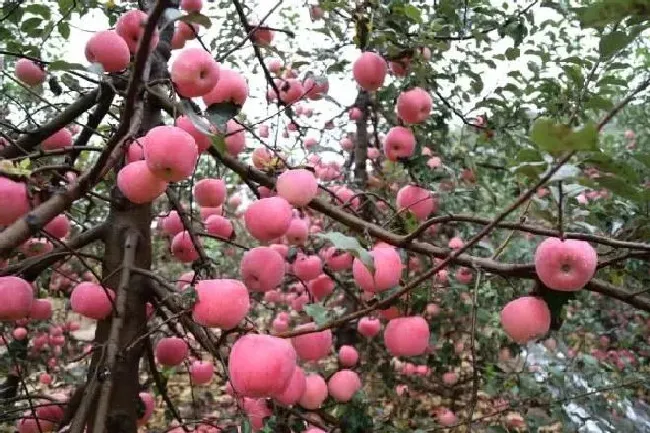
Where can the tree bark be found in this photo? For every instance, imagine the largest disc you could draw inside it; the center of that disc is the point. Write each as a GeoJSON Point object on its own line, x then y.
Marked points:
{"type": "Point", "coordinates": [125, 217]}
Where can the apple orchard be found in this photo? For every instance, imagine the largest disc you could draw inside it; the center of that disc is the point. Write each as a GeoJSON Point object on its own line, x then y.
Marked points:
{"type": "Point", "coordinates": [324, 216]}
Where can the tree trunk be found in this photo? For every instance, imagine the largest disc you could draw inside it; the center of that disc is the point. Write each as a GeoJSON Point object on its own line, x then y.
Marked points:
{"type": "Point", "coordinates": [123, 218]}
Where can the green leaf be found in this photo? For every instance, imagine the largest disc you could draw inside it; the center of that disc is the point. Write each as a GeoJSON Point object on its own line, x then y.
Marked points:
{"type": "Point", "coordinates": [61, 65]}
{"type": "Point", "coordinates": [553, 137]}
{"type": "Point", "coordinates": [318, 312]}
{"type": "Point", "coordinates": [64, 29]}
{"type": "Point", "coordinates": [512, 53]}
{"type": "Point", "coordinates": [612, 43]}
{"type": "Point", "coordinates": [246, 426]}
{"type": "Point", "coordinates": [219, 114]}
{"type": "Point", "coordinates": [39, 9]}
{"type": "Point", "coordinates": [351, 245]}
{"type": "Point", "coordinates": [219, 143]}
{"type": "Point", "coordinates": [413, 13]}
{"type": "Point", "coordinates": [197, 18]}
{"type": "Point", "coordinates": [30, 24]}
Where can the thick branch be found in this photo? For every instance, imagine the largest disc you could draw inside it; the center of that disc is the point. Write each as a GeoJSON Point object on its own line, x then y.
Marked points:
{"type": "Point", "coordinates": [33, 138]}
{"type": "Point", "coordinates": [31, 267]}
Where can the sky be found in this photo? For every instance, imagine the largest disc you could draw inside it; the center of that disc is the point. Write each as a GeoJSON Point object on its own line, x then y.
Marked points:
{"type": "Point", "coordinates": [342, 89]}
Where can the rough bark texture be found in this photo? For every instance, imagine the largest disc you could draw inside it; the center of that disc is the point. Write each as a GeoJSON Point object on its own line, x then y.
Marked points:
{"type": "Point", "coordinates": [123, 217]}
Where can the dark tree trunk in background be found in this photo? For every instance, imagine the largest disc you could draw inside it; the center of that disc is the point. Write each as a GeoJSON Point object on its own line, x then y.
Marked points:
{"type": "Point", "coordinates": [361, 144]}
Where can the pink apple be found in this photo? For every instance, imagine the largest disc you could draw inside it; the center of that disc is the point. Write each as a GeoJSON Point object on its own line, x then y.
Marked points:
{"type": "Point", "coordinates": [203, 142]}
{"type": "Point", "coordinates": [29, 72]}
{"type": "Point", "coordinates": [149, 406]}
{"type": "Point", "coordinates": [316, 87]}
{"type": "Point", "coordinates": [130, 26]}
{"type": "Point", "coordinates": [191, 5]}
{"type": "Point", "coordinates": [268, 218]}
{"type": "Point", "coordinates": [565, 265]}
{"type": "Point", "coordinates": [315, 392]}
{"type": "Point", "coordinates": [298, 232]}
{"type": "Point", "coordinates": [414, 106]}
{"type": "Point", "coordinates": [387, 271]}
{"type": "Point", "coordinates": [307, 267]}
{"type": "Point", "coordinates": [348, 356]}
{"type": "Point", "coordinates": [183, 249]}
{"type": "Point", "coordinates": [108, 49]}
{"type": "Point", "coordinates": [261, 365]}
{"type": "Point", "coordinates": [41, 309]}
{"type": "Point", "coordinates": [298, 186]}
{"type": "Point", "coordinates": [92, 300]}
{"type": "Point", "coordinates": [274, 65]}
{"type": "Point", "coordinates": [321, 287]}
{"type": "Point", "coordinates": [59, 227]}
{"type": "Point", "coordinates": [343, 385]}
{"type": "Point", "coordinates": [235, 137]}
{"type": "Point", "coordinates": [170, 153]}
{"type": "Point", "coordinates": [231, 87]}
{"type": "Point", "coordinates": [407, 336]}
{"type": "Point", "coordinates": [312, 346]}
{"type": "Point", "coordinates": [262, 269]}
{"type": "Point", "coordinates": [294, 390]}
{"type": "Point", "coordinates": [172, 224]}
{"type": "Point", "coordinates": [355, 113]}
{"type": "Point", "coordinates": [291, 90]}
{"type": "Point", "coordinates": [526, 318]}
{"type": "Point", "coordinates": [368, 327]}
{"type": "Point", "coordinates": [399, 143]}
{"type": "Point", "coordinates": [416, 200]}
{"type": "Point", "coordinates": [138, 184]}
{"type": "Point", "coordinates": [262, 36]}
{"type": "Point", "coordinates": [194, 72]}
{"type": "Point", "coordinates": [369, 71]}
{"type": "Point", "coordinates": [201, 372]}
{"type": "Point", "coordinates": [61, 139]}
{"type": "Point", "coordinates": [217, 225]}
{"type": "Point", "coordinates": [336, 260]}
{"type": "Point", "coordinates": [171, 351]}
{"type": "Point", "coordinates": [210, 192]}
{"type": "Point", "coordinates": [221, 303]}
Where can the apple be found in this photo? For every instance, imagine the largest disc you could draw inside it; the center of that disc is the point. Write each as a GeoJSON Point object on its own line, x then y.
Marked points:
{"type": "Point", "coordinates": [130, 26]}
{"type": "Point", "coordinates": [171, 351]}
{"type": "Point", "coordinates": [108, 49]}
{"type": "Point", "coordinates": [268, 218]}
{"type": "Point", "coordinates": [194, 72]}
{"type": "Point", "coordinates": [399, 143]}
{"type": "Point", "coordinates": [407, 336]}
{"type": "Point", "coordinates": [138, 184]}
{"type": "Point", "coordinates": [343, 385]}
{"type": "Point", "coordinates": [92, 300]}
{"type": "Point", "coordinates": [414, 106]}
{"type": "Point", "coordinates": [261, 366]}
{"type": "Point", "coordinates": [170, 153]}
{"type": "Point", "coordinates": [526, 318]}
{"type": "Point", "coordinates": [30, 72]}
{"type": "Point", "coordinates": [231, 88]}
{"type": "Point", "coordinates": [221, 303]}
{"type": "Point", "coordinates": [565, 265]}
{"type": "Point", "coordinates": [369, 71]}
